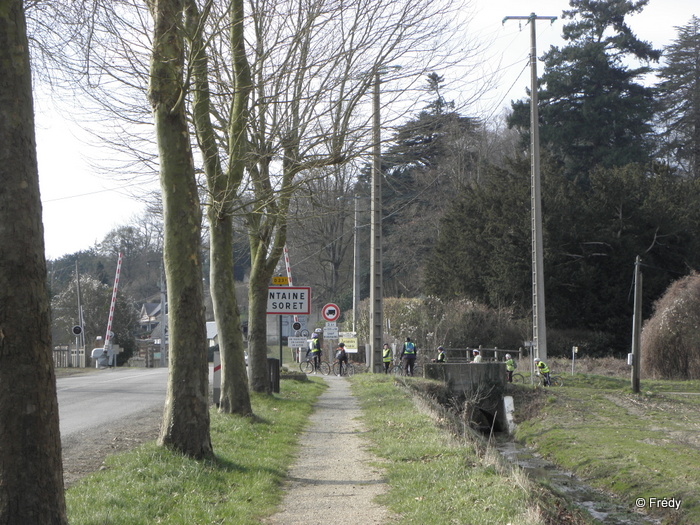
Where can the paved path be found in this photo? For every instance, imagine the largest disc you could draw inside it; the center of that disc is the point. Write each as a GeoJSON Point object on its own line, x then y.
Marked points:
{"type": "Point", "coordinates": [334, 479]}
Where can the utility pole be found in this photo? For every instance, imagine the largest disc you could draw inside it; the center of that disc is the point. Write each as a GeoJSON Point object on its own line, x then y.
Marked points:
{"type": "Point", "coordinates": [356, 266]}
{"type": "Point", "coordinates": [539, 328]}
{"type": "Point", "coordinates": [376, 334]}
{"type": "Point", "coordinates": [637, 326]}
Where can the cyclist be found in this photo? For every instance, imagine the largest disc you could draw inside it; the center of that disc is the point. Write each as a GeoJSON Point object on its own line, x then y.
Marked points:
{"type": "Point", "coordinates": [342, 357]}
{"type": "Point", "coordinates": [386, 357]}
{"type": "Point", "coordinates": [315, 351]}
{"type": "Point", "coordinates": [408, 354]}
{"type": "Point", "coordinates": [477, 357]}
{"type": "Point", "coordinates": [441, 358]}
{"type": "Point", "coordinates": [543, 369]}
{"type": "Point", "coordinates": [510, 367]}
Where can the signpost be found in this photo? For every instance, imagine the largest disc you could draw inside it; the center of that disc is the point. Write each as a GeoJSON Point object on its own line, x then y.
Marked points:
{"type": "Point", "coordinates": [330, 312]}
{"type": "Point", "coordinates": [286, 300]}
{"type": "Point", "coordinates": [330, 331]}
{"type": "Point", "coordinates": [350, 340]}
{"type": "Point", "coordinates": [297, 342]}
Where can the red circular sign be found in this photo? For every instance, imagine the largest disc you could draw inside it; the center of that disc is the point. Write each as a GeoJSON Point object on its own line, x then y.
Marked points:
{"type": "Point", "coordinates": [330, 312]}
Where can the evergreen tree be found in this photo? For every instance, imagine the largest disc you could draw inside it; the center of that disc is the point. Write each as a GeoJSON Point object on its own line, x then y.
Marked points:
{"type": "Point", "coordinates": [432, 157]}
{"type": "Point", "coordinates": [591, 236]}
{"type": "Point", "coordinates": [483, 250]}
{"type": "Point", "coordinates": [679, 92]}
{"type": "Point", "coordinates": [593, 110]}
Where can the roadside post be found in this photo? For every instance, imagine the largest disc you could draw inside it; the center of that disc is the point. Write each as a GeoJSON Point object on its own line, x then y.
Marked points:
{"type": "Point", "coordinates": [288, 300]}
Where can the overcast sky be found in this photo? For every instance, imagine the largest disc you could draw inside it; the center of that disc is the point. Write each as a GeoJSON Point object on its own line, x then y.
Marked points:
{"type": "Point", "coordinates": [81, 207]}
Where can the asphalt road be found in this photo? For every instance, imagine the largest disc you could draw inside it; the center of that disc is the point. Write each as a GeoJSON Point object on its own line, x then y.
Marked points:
{"type": "Point", "coordinates": [105, 397]}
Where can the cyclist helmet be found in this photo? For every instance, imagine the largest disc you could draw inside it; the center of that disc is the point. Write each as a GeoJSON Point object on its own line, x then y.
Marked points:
{"type": "Point", "coordinates": [476, 352]}
{"type": "Point", "coordinates": [537, 359]}
{"type": "Point", "coordinates": [341, 344]}
{"type": "Point", "coordinates": [507, 356]}
{"type": "Point", "coordinates": [440, 348]}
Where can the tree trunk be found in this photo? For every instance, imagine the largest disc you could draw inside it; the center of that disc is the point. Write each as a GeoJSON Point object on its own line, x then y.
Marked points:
{"type": "Point", "coordinates": [186, 417]}
{"type": "Point", "coordinates": [234, 381]}
{"type": "Point", "coordinates": [257, 329]}
{"type": "Point", "coordinates": [31, 470]}
{"type": "Point", "coordinates": [223, 187]}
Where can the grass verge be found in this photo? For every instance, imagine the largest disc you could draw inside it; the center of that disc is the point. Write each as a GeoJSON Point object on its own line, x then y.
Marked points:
{"type": "Point", "coordinates": [240, 485]}
{"type": "Point", "coordinates": [437, 478]}
{"type": "Point", "coordinates": [639, 446]}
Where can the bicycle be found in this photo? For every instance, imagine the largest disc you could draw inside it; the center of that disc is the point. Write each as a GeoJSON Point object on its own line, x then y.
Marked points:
{"type": "Point", "coordinates": [553, 380]}
{"type": "Point", "coordinates": [518, 378]}
{"type": "Point", "coordinates": [348, 369]}
{"type": "Point", "coordinates": [308, 366]}
{"type": "Point", "coordinates": [398, 370]}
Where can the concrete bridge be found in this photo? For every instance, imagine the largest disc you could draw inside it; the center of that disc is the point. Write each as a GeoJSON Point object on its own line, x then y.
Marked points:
{"type": "Point", "coordinates": [481, 384]}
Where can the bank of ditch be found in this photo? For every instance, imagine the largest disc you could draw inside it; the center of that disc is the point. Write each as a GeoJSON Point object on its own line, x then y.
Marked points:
{"type": "Point", "coordinates": [640, 452]}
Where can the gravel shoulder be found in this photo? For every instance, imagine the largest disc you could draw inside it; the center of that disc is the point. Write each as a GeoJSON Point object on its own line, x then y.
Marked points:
{"type": "Point", "coordinates": [334, 478]}
{"type": "Point", "coordinates": [85, 452]}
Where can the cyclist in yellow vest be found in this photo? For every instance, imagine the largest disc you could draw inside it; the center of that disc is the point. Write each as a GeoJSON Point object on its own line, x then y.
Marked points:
{"type": "Point", "coordinates": [441, 357]}
{"type": "Point", "coordinates": [510, 367]}
{"type": "Point", "coordinates": [408, 354]}
{"type": "Point", "coordinates": [316, 351]}
{"type": "Point", "coordinates": [386, 357]}
{"type": "Point", "coordinates": [543, 369]}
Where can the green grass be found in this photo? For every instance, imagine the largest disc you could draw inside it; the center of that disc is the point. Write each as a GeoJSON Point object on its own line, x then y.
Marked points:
{"type": "Point", "coordinates": [439, 479]}
{"type": "Point", "coordinates": [240, 485]}
{"type": "Point", "coordinates": [637, 446]}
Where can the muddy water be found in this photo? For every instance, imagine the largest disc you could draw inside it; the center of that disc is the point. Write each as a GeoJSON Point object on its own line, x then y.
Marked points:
{"type": "Point", "coordinates": [599, 505]}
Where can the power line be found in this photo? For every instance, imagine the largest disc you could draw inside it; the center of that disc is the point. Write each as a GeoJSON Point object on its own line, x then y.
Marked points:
{"type": "Point", "coordinates": [86, 194]}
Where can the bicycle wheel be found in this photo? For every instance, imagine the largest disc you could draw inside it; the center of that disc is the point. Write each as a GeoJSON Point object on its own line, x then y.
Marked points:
{"type": "Point", "coordinates": [518, 378]}
{"type": "Point", "coordinates": [418, 371]}
{"type": "Point", "coordinates": [556, 381]}
{"type": "Point", "coordinates": [336, 368]}
{"type": "Point", "coordinates": [350, 370]}
{"type": "Point", "coordinates": [306, 366]}
{"type": "Point", "coordinates": [324, 368]}
{"type": "Point", "coordinates": [397, 370]}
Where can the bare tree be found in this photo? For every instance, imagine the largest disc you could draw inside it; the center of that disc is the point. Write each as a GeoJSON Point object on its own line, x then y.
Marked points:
{"type": "Point", "coordinates": [31, 470]}
{"type": "Point", "coordinates": [321, 233]}
{"type": "Point", "coordinates": [185, 424]}
{"type": "Point", "coordinates": [313, 65]}
{"type": "Point", "coordinates": [223, 185]}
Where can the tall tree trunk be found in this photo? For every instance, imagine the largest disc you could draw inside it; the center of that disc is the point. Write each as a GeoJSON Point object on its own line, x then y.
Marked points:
{"type": "Point", "coordinates": [223, 187]}
{"type": "Point", "coordinates": [266, 250]}
{"type": "Point", "coordinates": [257, 329]}
{"type": "Point", "coordinates": [31, 470]}
{"type": "Point", "coordinates": [186, 417]}
{"type": "Point", "coordinates": [235, 398]}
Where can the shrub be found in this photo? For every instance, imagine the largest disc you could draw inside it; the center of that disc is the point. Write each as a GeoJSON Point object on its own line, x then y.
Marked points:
{"type": "Point", "coordinates": [430, 322]}
{"type": "Point", "coordinates": [671, 337]}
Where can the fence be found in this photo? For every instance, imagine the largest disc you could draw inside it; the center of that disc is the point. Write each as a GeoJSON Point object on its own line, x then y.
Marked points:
{"type": "Point", "coordinates": [67, 357]}
{"type": "Point", "coordinates": [463, 355]}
